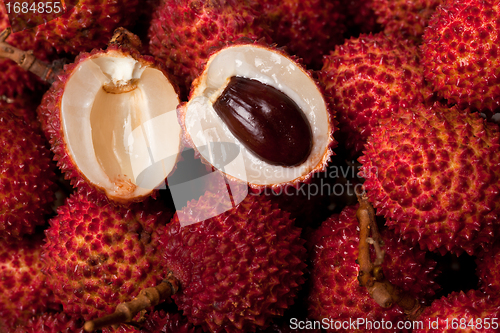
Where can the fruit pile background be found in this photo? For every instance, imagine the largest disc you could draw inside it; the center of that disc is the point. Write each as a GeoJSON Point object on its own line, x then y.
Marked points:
{"type": "Point", "coordinates": [414, 86]}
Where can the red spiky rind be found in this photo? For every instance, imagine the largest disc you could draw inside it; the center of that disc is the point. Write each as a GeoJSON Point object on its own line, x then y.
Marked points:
{"type": "Point", "coordinates": [49, 115]}
{"type": "Point", "coordinates": [461, 312]}
{"type": "Point", "coordinates": [99, 255]}
{"type": "Point", "coordinates": [183, 34]}
{"type": "Point", "coordinates": [52, 322]}
{"type": "Point", "coordinates": [366, 78]}
{"type": "Point", "coordinates": [408, 267]}
{"type": "Point", "coordinates": [24, 107]}
{"type": "Point", "coordinates": [334, 290]}
{"type": "Point", "coordinates": [294, 184]}
{"type": "Point", "coordinates": [166, 322]}
{"type": "Point", "coordinates": [433, 173]}
{"type": "Point", "coordinates": [360, 17]}
{"type": "Point", "coordinates": [26, 177]}
{"type": "Point", "coordinates": [309, 29]}
{"type": "Point", "coordinates": [89, 25]}
{"type": "Point", "coordinates": [488, 270]}
{"type": "Point", "coordinates": [237, 270]}
{"type": "Point", "coordinates": [406, 17]}
{"type": "Point", "coordinates": [23, 292]}
{"type": "Point", "coordinates": [460, 53]}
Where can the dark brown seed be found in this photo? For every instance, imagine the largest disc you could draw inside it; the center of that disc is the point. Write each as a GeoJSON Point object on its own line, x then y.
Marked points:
{"type": "Point", "coordinates": [266, 121]}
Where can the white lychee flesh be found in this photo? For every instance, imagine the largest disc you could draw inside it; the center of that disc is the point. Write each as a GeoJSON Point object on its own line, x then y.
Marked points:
{"type": "Point", "coordinates": [203, 125]}
{"type": "Point", "coordinates": [120, 125]}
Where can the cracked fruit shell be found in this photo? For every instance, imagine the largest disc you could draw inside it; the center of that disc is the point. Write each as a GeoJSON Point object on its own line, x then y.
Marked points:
{"type": "Point", "coordinates": [112, 123]}
{"type": "Point", "coordinates": [256, 115]}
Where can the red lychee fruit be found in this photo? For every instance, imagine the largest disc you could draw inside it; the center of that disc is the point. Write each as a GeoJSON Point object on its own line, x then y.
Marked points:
{"type": "Point", "coordinates": [87, 25]}
{"type": "Point", "coordinates": [309, 28]}
{"type": "Point", "coordinates": [369, 78]}
{"type": "Point", "coordinates": [472, 311]}
{"type": "Point", "coordinates": [237, 270]}
{"type": "Point", "coordinates": [52, 322]}
{"type": "Point", "coordinates": [183, 34]}
{"type": "Point", "coordinates": [166, 322]}
{"type": "Point", "coordinates": [335, 293]}
{"type": "Point", "coordinates": [488, 270]}
{"type": "Point", "coordinates": [23, 292]}
{"type": "Point", "coordinates": [433, 173]}
{"type": "Point", "coordinates": [98, 255]}
{"type": "Point", "coordinates": [406, 17]}
{"type": "Point", "coordinates": [460, 53]}
{"type": "Point", "coordinates": [26, 178]}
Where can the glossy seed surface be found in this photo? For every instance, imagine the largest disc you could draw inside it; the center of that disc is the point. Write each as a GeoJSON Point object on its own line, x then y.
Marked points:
{"type": "Point", "coordinates": [266, 121]}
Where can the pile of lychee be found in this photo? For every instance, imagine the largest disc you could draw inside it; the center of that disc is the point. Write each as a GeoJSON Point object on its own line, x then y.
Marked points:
{"type": "Point", "coordinates": [251, 166]}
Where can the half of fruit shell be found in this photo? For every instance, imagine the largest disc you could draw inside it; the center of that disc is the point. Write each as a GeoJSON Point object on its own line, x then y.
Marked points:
{"type": "Point", "coordinates": [259, 117]}
{"type": "Point", "coordinates": [112, 123]}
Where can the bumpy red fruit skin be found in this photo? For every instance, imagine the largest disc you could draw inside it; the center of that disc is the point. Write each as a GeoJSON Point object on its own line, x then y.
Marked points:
{"type": "Point", "coordinates": [460, 53]}
{"type": "Point", "coordinates": [368, 79]}
{"type": "Point", "coordinates": [26, 177]}
{"type": "Point", "coordinates": [236, 270]}
{"type": "Point", "coordinates": [309, 28]}
{"type": "Point", "coordinates": [23, 292]}
{"type": "Point", "coordinates": [461, 312]}
{"type": "Point", "coordinates": [434, 172]}
{"type": "Point", "coordinates": [334, 288]}
{"type": "Point", "coordinates": [488, 270]}
{"type": "Point", "coordinates": [98, 255]}
{"type": "Point", "coordinates": [52, 322]}
{"type": "Point", "coordinates": [184, 33]}
{"type": "Point", "coordinates": [406, 17]}
{"type": "Point", "coordinates": [166, 322]}
{"type": "Point", "coordinates": [90, 24]}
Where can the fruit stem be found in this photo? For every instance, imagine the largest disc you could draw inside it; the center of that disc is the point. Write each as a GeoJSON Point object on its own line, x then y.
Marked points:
{"type": "Point", "coordinates": [25, 59]}
{"type": "Point", "coordinates": [147, 298]}
{"type": "Point", "coordinates": [123, 37]}
{"type": "Point", "coordinates": [370, 274]}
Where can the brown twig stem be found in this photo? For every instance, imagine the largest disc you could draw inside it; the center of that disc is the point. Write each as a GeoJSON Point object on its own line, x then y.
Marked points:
{"type": "Point", "coordinates": [370, 273]}
{"type": "Point", "coordinates": [125, 312]}
{"type": "Point", "coordinates": [26, 59]}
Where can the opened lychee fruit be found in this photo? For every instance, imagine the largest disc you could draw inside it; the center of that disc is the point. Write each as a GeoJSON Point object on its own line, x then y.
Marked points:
{"type": "Point", "coordinates": [112, 123]}
{"type": "Point", "coordinates": [256, 115]}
